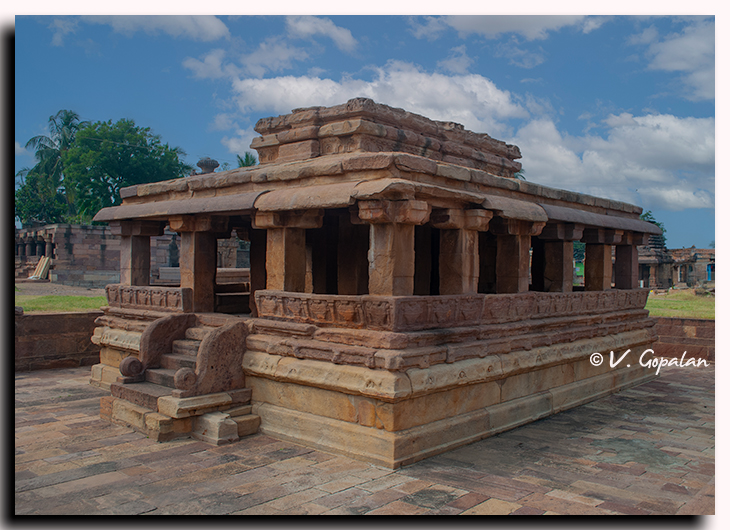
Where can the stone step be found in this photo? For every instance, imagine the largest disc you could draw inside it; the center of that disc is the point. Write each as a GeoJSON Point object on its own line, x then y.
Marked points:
{"type": "Point", "coordinates": [161, 376]}
{"type": "Point", "coordinates": [247, 424]}
{"type": "Point", "coordinates": [174, 361]}
{"type": "Point", "coordinates": [185, 346]}
{"type": "Point", "coordinates": [142, 394]}
{"type": "Point", "coordinates": [198, 332]}
{"type": "Point", "coordinates": [214, 320]}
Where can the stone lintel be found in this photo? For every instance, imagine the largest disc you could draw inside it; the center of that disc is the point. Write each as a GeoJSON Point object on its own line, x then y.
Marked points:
{"type": "Point", "coordinates": [198, 223]}
{"type": "Point", "coordinates": [562, 232]}
{"type": "Point", "coordinates": [601, 236]}
{"type": "Point", "coordinates": [137, 228]}
{"type": "Point", "coordinates": [515, 227]}
{"type": "Point", "coordinates": [458, 219]}
{"type": "Point", "coordinates": [634, 238]}
{"type": "Point", "coordinates": [410, 212]}
{"type": "Point", "coordinates": [306, 219]}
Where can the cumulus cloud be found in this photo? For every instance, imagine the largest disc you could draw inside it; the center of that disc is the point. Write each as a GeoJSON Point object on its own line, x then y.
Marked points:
{"type": "Point", "coordinates": [273, 55]}
{"type": "Point", "coordinates": [458, 62]}
{"type": "Point", "coordinates": [659, 161]}
{"type": "Point", "coordinates": [690, 52]}
{"type": "Point", "coordinates": [61, 27]}
{"type": "Point", "coordinates": [531, 27]}
{"type": "Point", "coordinates": [309, 26]}
{"type": "Point", "coordinates": [211, 67]}
{"type": "Point", "coordinates": [469, 99]}
{"type": "Point", "coordinates": [197, 27]}
{"type": "Point", "coordinates": [240, 142]}
{"type": "Point", "coordinates": [222, 122]}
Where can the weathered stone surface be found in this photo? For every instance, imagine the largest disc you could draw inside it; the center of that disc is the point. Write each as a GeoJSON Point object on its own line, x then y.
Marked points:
{"type": "Point", "coordinates": [215, 427]}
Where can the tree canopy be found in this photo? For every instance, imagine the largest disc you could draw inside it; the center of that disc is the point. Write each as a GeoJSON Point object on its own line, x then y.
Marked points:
{"type": "Point", "coordinates": [82, 166]}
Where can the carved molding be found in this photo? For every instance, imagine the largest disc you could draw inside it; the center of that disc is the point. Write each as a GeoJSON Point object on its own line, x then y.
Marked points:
{"type": "Point", "coordinates": [413, 313]}
{"type": "Point", "coordinates": [148, 297]}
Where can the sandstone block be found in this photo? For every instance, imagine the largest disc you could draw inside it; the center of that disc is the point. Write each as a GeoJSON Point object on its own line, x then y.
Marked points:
{"type": "Point", "coordinates": [216, 428]}
{"type": "Point", "coordinates": [193, 406]}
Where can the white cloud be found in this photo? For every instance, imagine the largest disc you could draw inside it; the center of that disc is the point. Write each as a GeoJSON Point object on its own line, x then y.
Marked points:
{"type": "Point", "coordinates": [430, 30]}
{"type": "Point", "coordinates": [197, 27]}
{"type": "Point", "coordinates": [62, 27]}
{"type": "Point", "coordinates": [691, 52]}
{"type": "Point", "coordinates": [309, 26]}
{"type": "Point", "coordinates": [531, 27]}
{"type": "Point", "coordinates": [241, 142]}
{"type": "Point", "coordinates": [458, 62]}
{"type": "Point", "coordinates": [20, 150]}
{"type": "Point", "coordinates": [658, 161]}
{"type": "Point", "coordinates": [209, 68]}
{"type": "Point", "coordinates": [469, 99]}
{"type": "Point", "coordinates": [519, 56]}
{"type": "Point", "coordinates": [222, 122]}
{"type": "Point", "coordinates": [272, 55]}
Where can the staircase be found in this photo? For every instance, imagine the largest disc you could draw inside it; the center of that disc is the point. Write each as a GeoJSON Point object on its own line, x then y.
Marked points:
{"type": "Point", "coordinates": [208, 411]}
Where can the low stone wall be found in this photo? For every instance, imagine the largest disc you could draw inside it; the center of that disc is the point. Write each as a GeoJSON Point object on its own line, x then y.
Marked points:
{"type": "Point", "coordinates": [55, 340]}
{"type": "Point", "coordinates": [692, 335]}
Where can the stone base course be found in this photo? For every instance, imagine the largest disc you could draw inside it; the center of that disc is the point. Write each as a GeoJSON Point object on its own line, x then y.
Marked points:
{"type": "Point", "coordinates": [54, 340]}
{"type": "Point", "coordinates": [679, 335]}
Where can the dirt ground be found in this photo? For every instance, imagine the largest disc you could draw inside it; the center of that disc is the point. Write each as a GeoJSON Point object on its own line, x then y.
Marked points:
{"type": "Point", "coordinates": [50, 288]}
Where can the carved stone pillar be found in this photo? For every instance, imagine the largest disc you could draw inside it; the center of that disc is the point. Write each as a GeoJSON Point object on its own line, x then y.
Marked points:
{"type": "Point", "coordinates": [598, 265]}
{"type": "Point", "coordinates": [627, 260]}
{"type": "Point", "coordinates": [134, 256]}
{"type": "Point", "coordinates": [286, 254]}
{"type": "Point", "coordinates": [459, 248]}
{"type": "Point", "coordinates": [392, 254]}
{"type": "Point", "coordinates": [49, 246]}
{"type": "Point", "coordinates": [557, 274]}
{"type": "Point", "coordinates": [513, 253]}
{"type": "Point", "coordinates": [198, 255]}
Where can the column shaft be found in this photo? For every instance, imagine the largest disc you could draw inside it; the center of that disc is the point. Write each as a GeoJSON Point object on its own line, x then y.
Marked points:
{"type": "Point", "coordinates": [391, 259]}
{"type": "Point", "coordinates": [198, 254]}
{"type": "Point", "coordinates": [627, 267]}
{"type": "Point", "coordinates": [598, 267]}
{"type": "Point", "coordinates": [286, 259]}
{"type": "Point", "coordinates": [513, 263]}
{"type": "Point", "coordinates": [459, 262]}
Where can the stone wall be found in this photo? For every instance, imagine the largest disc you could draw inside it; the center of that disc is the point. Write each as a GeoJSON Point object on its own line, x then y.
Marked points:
{"type": "Point", "coordinates": [694, 335]}
{"type": "Point", "coordinates": [55, 340]}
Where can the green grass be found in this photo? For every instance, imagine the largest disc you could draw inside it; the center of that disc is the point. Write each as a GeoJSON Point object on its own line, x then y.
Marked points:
{"type": "Point", "coordinates": [58, 304]}
{"type": "Point", "coordinates": [681, 304]}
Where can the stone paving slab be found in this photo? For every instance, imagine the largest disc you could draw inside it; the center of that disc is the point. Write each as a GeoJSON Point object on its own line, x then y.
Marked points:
{"type": "Point", "coordinates": [647, 450]}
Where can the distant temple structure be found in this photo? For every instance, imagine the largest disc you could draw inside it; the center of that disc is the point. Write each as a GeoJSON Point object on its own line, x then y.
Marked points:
{"type": "Point", "coordinates": [407, 295]}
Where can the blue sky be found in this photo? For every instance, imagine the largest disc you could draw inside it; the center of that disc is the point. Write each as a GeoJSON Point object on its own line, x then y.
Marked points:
{"type": "Point", "coordinates": [614, 106]}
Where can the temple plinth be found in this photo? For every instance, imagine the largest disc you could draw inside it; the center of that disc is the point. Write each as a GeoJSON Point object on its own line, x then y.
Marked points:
{"type": "Point", "coordinates": [407, 294]}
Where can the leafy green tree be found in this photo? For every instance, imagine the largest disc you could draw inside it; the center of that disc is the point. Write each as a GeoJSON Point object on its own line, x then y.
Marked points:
{"type": "Point", "coordinates": [39, 199]}
{"type": "Point", "coordinates": [649, 217]}
{"type": "Point", "coordinates": [108, 156]}
{"type": "Point", "coordinates": [248, 159]}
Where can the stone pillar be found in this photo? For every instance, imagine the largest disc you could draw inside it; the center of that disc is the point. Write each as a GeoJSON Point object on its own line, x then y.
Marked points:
{"type": "Point", "coordinates": [198, 255]}
{"type": "Point", "coordinates": [392, 254]}
{"type": "Point", "coordinates": [459, 248]}
{"type": "Point", "coordinates": [134, 256]}
{"type": "Point", "coordinates": [257, 258]}
{"type": "Point", "coordinates": [49, 246]}
{"type": "Point", "coordinates": [30, 246]}
{"type": "Point", "coordinates": [513, 253]}
{"type": "Point", "coordinates": [286, 247]}
{"type": "Point", "coordinates": [598, 264]}
{"type": "Point", "coordinates": [21, 248]}
{"type": "Point", "coordinates": [40, 246]}
{"type": "Point", "coordinates": [627, 260]}
{"type": "Point", "coordinates": [558, 254]}
{"type": "Point", "coordinates": [352, 256]}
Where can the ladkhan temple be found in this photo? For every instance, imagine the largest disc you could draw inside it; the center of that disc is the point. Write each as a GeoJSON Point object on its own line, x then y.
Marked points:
{"type": "Point", "coordinates": [407, 294]}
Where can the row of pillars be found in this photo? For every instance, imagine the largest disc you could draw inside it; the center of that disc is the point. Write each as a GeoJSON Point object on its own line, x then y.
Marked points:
{"type": "Point", "coordinates": [279, 255]}
{"type": "Point", "coordinates": [33, 246]}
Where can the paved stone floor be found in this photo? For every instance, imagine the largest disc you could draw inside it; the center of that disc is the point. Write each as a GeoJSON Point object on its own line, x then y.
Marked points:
{"type": "Point", "coordinates": [647, 450]}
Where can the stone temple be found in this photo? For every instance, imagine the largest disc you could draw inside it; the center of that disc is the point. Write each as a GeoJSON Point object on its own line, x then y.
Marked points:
{"type": "Point", "coordinates": [407, 293]}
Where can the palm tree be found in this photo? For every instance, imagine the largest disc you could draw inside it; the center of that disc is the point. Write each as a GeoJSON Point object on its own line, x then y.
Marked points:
{"type": "Point", "coordinates": [249, 159]}
{"type": "Point", "coordinates": [49, 149]}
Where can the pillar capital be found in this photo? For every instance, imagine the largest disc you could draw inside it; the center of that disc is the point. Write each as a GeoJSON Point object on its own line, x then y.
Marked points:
{"type": "Point", "coordinates": [634, 238]}
{"type": "Point", "coordinates": [410, 212]}
{"type": "Point", "coordinates": [562, 232]}
{"type": "Point", "coordinates": [515, 227]}
{"type": "Point", "coordinates": [289, 219]}
{"type": "Point", "coordinates": [137, 228]}
{"type": "Point", "coordinates": [601, 236]}
{"type": "Point", "coordinates": [198, 223]}
{"type": "Point", "coordinates": [458, 219]}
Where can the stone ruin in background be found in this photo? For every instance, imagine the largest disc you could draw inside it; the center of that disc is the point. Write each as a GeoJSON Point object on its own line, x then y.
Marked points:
{"type": "Point", "coordinates": [407, 295]}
